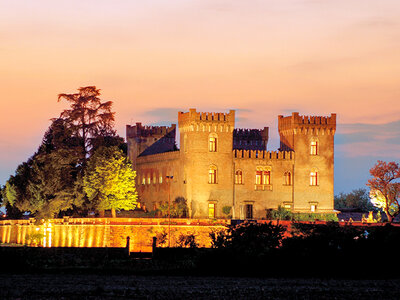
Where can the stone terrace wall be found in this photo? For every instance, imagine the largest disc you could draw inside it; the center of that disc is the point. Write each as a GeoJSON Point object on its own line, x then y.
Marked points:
{"type": "Point", "coordinates": [106, 232]}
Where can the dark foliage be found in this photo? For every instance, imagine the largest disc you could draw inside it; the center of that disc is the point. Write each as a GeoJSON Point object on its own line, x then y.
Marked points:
{"type": "Point", "coordinates": [187, 241]}
{"type": "Point", "coordinates": [250, 240]}
{"type": "Point", "coordinates": [357, 200]}
{"type": "Point", "coordinates": [178, 208]}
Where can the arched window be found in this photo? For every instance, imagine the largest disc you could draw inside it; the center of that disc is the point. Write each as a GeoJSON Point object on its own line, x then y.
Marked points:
{"type": "Point", "coordinates": [212, 142]}
{"type": "Point", "coordinates": [267, 177]}
{"type": "Point", "coordinates": [239, 177]}
{"type": "Point", "coordinates": [287, 178]}
{"type": "Point", "coordinates": [314, 147]}
{"type": "Point", "coordinates": [160, 179]}
{"type": "Point", "coordinates": [263, 175]}
{"type": "Point", "coordinates": [212, 175]}
{"type": "Point", "coordinates": [314, 177]}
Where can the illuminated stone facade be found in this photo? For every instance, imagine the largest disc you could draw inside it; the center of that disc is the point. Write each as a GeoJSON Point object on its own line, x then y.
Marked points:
{"type": "Point", "coordinates": [218, 166]}
{"type": "Point", "coordinates": [106, 232]}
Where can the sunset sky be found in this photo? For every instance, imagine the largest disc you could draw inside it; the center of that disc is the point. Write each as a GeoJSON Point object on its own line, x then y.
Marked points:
{"type": "Point", "coordinates": [154, 58]}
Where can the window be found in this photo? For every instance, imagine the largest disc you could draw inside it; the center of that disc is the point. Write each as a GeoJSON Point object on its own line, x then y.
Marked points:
{"type": "Point", "coordinates": [144, 180]}
{"type": "Point", "coordinates": [239, 177]}
{"type": "Point", "coordinates": [263, 175]}
{"type": "Point", "coordinates": [148, 180]}
{"type": "Point", "coordinates": [160, 179]}
{"type": "Point", "coordinates": [212, 143]}
{"type": "Point", "coordinates": [313, 207]}
{"type": "Point", "coordinates": [266, 177]}
{"type": "Point", "coordinates": [314, 178]}
{"type": "Point", "coordinates": [212, 175]}
{"type": "Point", "coordinates": [154, 179]}
{"type": "Point", "coordinates": [314, 147]}
{"type": "Point", "coordinates": [258, 177]}
{"type": "Point", "coordinates": [287, 178]}
{"type": "Point", "coordinates": [249, 211]}
{"type": "Point", "coordinates": [211, 210]}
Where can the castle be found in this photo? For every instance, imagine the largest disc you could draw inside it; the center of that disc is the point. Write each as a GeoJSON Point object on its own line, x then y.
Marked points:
{"type": "Point", "coordinates": [220, 170]}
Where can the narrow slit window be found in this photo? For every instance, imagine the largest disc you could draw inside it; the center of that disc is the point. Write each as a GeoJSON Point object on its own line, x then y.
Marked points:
{"type": "Point", "coordinates": [212, 175]}
{"type": "Point", "coordinates": [266, 177]}
{"type": "Point", "coordinates": [212, 144]}
{"type": "Point", "coordinates": [287, 178]}
{"type": "Point", "coordinates": [239, 177]}
{"type": "Point", "coordinates": [314, 178]}
{"type": "Point", "coordinates": [314, 148]}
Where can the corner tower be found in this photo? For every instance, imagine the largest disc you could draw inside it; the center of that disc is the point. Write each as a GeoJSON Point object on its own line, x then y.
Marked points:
{"type": "Point", "coordinates": [146, 140]}
{"type": "Point", "coordinates": [312, 140]}
{"type": "Point", "coordinates": [206, 141]}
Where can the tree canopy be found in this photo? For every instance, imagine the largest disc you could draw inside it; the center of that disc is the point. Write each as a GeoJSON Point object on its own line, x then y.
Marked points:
{"type": "Point", "coordinates": [356, 200]}
{"type": "Point", "coordinates": [45, 184]}
{"type": "Point", "coordinates": [385, 187]}
{"type": "Point", "coordinates": [109, 181]}
{"type": "Point", "coordinates": [88, 117]}
{"type": "Point", "coordinates": [50, 182]}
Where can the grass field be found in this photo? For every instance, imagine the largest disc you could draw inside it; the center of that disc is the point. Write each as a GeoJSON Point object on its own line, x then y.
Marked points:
{"type": "Point", "coordinates": [81, 286]}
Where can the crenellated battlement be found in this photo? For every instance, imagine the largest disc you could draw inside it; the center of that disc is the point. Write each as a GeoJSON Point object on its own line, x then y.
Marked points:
{"type": "Point", "coordinates": [250, 139]}
{"type": "Point", "coordinates": [194, 118]}
{"type": "Point", "coordinates": [270, 155]}
{"type": "Point", "coordinates": [296, 119]}
{"type": "Point", "coordinates": [139, 130]}
{"type": "Point", "coordinates": [295, 124]}
{"type": "Point", "coordinates": [220, 166]}
{"type": "Point", "coordinates": [243, 133]}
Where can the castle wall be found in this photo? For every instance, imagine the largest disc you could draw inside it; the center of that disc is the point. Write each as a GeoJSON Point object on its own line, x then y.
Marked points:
{"type": "Point", "coordinates": [191, 166]}
{"type": "Point", "coordinates": [262, 197]}
{"type": "Point", "coordinates": [151, 192]}
{"type": "Point", "coordinates": [105, 232]}
{"type": "Point", "coordinates": [139, 138]}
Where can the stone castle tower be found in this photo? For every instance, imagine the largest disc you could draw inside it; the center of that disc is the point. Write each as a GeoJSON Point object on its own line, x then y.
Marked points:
{"type": "Point", "coordinates": [312, 140]}
{"type": "Point", "coordinates": [220, 168]}
{"type": "Point", "coordinates": [206, 145]}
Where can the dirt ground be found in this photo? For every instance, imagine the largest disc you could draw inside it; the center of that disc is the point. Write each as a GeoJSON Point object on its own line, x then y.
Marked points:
{"type": "Point", "coordinates": [72, 286]}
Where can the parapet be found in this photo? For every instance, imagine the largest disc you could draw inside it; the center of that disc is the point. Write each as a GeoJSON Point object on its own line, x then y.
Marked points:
{"type": "Point", "coordinates": [186, 118]}
{"type": "Point", "coordinates": [139, 130]}
{"type": "Point", "coordinates": [250, 139]}
{"type": "Point", "coordinates": [242, 133]}
{"type": "Point", "coordinates": [269, 155]}
{"type": "Point", "coordinates": [296, 121]}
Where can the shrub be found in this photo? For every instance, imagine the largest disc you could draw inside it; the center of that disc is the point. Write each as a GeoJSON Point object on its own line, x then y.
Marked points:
{"type": "Point", "coordinates": [161, 238]}
{"type": "Point", "coordinates": [34, 238]}
{"type": "Point", "coordinates": [284, 214]}
{"type": "Point", "coordinates": [187, 241]}
{"type": "Point", "coordinates": [227, 211]}
{"type": "Point", "coordinates": [280, 214]}
{"type": "Point", "coordinates": [249, 238]}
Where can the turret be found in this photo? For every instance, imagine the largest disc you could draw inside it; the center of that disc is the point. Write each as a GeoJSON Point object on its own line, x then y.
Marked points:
{"type": "Point", "coordinates": [206, 154]}
{"type": "Point", "coordinates": [311, 125]}
{"type": "Point", "coordinates": [250, 139]}
{"type": "Point", "coordinates": [312, 140]}
{"type": "Point", "coordinates": [146, 140]}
